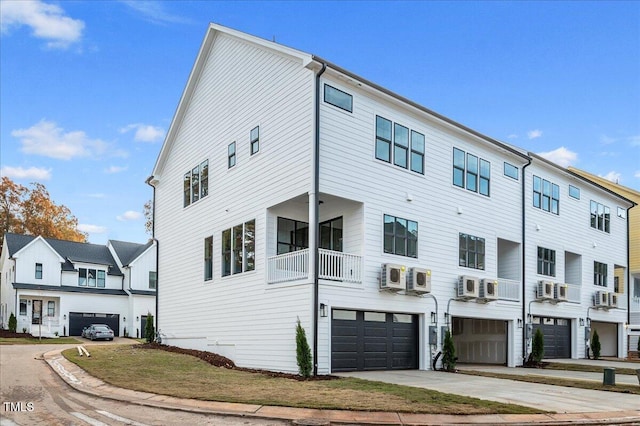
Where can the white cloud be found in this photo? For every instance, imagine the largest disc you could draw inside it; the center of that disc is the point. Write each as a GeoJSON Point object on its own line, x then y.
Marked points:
{"type": "Point", "coordinates": [47, 21]}
{"type": "Point", "coordinates": [115, 169]}
{"type": "Point", "coordinates": [49, 140]}
{"type": "Point", "coordinates": [145, 132]}
{"type": "Point", "coordinates": [129, 215]}
{"type": "Point", "coordinates": [637, 174]}
{"type": "Point", "coordinates": [612, 176]}
{"type": "Point", "coordinates": [154, 11]}
{"type": "Point", "coordinates": [34, 173]}
{"type": "Point", "coordinates": [607, 140]}
{"type": "Point", "coordinates": [534, 134]}
{"type": "Point", "coordinates": [92, 229]}
{"type": "Point", "coordinates": [561, 156]}
{"type": "Point", "coordinates": [512, 136]}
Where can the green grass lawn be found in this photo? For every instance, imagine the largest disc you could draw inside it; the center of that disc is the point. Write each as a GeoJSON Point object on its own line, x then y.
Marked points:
{"type": "Point", "coordinates": [185, 376]}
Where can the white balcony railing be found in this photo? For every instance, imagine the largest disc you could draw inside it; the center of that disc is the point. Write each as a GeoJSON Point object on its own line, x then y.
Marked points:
{"type": "Point", "coordinates": [338, 266]}
{"type": "Point", "coordinates": [334, 266]}
{"type": "Point", "coordinates": [574, 292]}
{"type": "Point", "coordinates": [288, 266]}
{"type": "Point", "coordinates": [509, 289]}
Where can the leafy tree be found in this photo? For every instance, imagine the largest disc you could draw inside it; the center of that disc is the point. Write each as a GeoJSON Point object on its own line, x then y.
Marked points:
{"type": "Point", "coordinates": [149, 330]}
{"type": "Point", "coordinates": [595, 345]}
{"type": "Point", "coordinates": [13, 323]}
{"type": "Point", "coordinates": [537, 347]}
{"type": "Point", "coordinates": [303, 351]}
{"type": "Point", "coordinates": [148, 217]}
{"type": "Point", "coordinates": [32, 212]}
{"type": "Point", "coordinates": [449, 358]}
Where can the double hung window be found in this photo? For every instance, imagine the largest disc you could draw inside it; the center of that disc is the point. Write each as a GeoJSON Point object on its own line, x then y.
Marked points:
{"type": "Point", "coordinates": [546, 262]}
{"type": "Point", "coordinates": [546, 195]}
{"type": "Point", "coordinates": [471, 172]}
{"type": "Point", "coordinates": [400, 236]}
{"type": "Point", "coordinates": [238, 248]}
{"type": "Point", "coordinates": [196, 183]}
{"type": "Point", "coordinates": [397, 144]}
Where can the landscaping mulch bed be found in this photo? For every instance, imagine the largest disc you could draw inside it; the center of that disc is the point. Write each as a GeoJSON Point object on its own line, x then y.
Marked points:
{"type": "Point", "coordinates": [10, 334]}
{"type": "Point", "coordinates": [221, 361]}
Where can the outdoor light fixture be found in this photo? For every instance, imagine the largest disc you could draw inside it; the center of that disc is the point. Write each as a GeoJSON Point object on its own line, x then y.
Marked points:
{"type": "Point", "coordinates": [519, 322]}
{"type": "Point", "coordinates": [434, 318]}
{"type": "Point", "coordinates": [137, 318]}
{"type": "Point", "coordinates": [124, 319]}
{"type": "Point", "coordinates": [64, 317]}
{"type": "Point", "coordinates": [581, 322]}
{"type": "Point", "coordinates": [323, 310]}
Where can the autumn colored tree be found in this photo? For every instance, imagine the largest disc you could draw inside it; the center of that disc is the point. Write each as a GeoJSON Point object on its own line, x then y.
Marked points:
{"type": "Point", "coordinates": [32, 212]}
{"type": "Point", "coordinates": [148, 217]}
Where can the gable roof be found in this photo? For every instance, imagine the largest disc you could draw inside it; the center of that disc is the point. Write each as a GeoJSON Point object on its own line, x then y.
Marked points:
{"type": "Point", "coordinates": [128, 252]}
{"type": "Point", "coordinates": [70, 251]}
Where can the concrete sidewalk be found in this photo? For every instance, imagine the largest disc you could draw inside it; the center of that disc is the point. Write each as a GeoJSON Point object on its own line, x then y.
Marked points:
{"type": "Point", "coordinates": [83, 382]}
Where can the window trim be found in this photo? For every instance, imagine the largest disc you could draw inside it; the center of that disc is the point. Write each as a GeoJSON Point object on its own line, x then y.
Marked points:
{"type": "Point", "coordinates": [208, 258]}
{"type": "Point", "coordinates": [546, 262]}
{"type": "Point", "coordinates": [247, 245]}
{"type": "Point", "coordinates": [600, 220]}
{"type": "Point", "coordinates": [479, 252]}
{"type": "Point", "coordinates": [195, 184]}
{"type": "Point", "coordinates": [417, 152]}
{"type": "Point", "coordinates": [479, 173]}
{"type": "Point", "coordinates": [231, 155]}
{"type": "Point", "coordinates": [600, 274]}
{"type": "Point", "coordinates": [328, 86]}
{"type": "Point", "coordinates": [515, 169]}
{"type": "Point", "coordinates": [380, 138]}
{"type": "Point", "coordinates": [572, 192]}
{"type": "Point", "coordinates": [153, 280]}
{"type": "Point", "coordinates": [543, 195]}
{"type": "Point", "coordinates": [38, 271]}
{"type": "Point", "coordinates": [395, 237]}
{"type": "Point", "coordinates": [51, 308]}
{"type": "Point", "coordinates": [254, 142]}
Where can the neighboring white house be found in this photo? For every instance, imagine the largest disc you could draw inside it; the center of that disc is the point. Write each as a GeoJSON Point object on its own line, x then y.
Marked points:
{"type": "Point", "coordinates": [417, 223]}
{"type": "Point", "coordinates": [56, 287]}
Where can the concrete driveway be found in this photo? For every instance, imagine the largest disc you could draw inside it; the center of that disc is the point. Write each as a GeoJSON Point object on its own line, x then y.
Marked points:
{"type": "Point", "coordinates": [559, 399]}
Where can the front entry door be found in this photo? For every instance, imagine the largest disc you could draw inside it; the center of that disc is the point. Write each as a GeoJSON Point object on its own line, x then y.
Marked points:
{"type": "Point", "coordinates": [36, 312]}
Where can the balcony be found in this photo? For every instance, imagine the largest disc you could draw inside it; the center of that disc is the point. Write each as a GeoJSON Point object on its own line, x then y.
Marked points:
{"type": "Point", "coordinates": [509, 289]}
{"type": "Point", "coordinates": [333, 266]}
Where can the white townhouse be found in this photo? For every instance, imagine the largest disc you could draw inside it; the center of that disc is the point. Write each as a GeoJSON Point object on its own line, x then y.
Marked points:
{"type": "Point", "coordinates": [56, 287]}
{"type": "Point", "coordinates": [289, 188]}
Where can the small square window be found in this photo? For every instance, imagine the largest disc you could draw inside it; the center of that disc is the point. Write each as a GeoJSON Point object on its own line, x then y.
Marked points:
{"type": "Point", "coordinates": [622, 213]}
{"type": "Point", "coordinates": [511, 171]}
{"type": "Point", "coordinates": [574, 192]}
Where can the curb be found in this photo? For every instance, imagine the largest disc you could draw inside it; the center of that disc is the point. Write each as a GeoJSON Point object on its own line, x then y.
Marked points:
{"type": "Point", "coordinates": [81, 381]}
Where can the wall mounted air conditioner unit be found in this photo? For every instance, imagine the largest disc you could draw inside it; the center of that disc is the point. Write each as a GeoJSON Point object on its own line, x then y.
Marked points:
{"type": "Point", "coordinates": [545, 290]}
{"type": "Point", "coordinates": [489, 289]}
{"type": "Point", "coordinates": [468, 287]}
{"type": "Point", "coordinates": [601, 299]}
{"type": "Point", "coordinates": [393, 277]}
{"type": "Point", "coordinates": [419, 280]}
{"type": "Point", "coordinates": [561, 292]}
{"type": "Point", "coordinates": [613, 300]}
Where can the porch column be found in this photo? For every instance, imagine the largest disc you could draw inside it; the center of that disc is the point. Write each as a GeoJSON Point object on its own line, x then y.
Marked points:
{"type": "Point", "coordinates": [313, 246]}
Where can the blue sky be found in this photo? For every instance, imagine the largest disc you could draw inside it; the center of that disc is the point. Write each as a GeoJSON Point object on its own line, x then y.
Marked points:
{"type": "Point", "coordinates": [88, 89]}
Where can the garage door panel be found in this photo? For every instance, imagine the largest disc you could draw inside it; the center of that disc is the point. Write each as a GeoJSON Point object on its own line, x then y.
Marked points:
{"type": "Point", "coordinates": [480, 341]}
{"type": "Point", "coordinates": [377, 342]}
{"type": "Point", "coordinates": [556, 336]}
{"type": "Point", "coordinates": [80, 320]}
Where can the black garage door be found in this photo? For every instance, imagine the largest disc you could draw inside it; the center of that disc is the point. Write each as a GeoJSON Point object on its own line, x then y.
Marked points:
{"type": "Point", "coordinates": [557, 336]}
{"type": "Point", "coordinates": [373, 341]}
{"type": "Point", "coordinates": [80, 320]}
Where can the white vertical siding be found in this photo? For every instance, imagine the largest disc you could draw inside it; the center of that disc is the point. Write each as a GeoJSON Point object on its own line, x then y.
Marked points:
{"type": "Point", "coordinates": [38, 252]}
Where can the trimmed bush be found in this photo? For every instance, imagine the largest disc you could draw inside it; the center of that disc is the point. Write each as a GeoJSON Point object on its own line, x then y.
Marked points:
{"type": "Point", "coordinates": [303, 352]}
{"type": "Point", "coordinates": [449, 358]}
{"type": "Point", "coordinates": [595, 345]}
{"type": "Point", "coordinates": [13, 323]}
{"type": "Point", "coordinates": [537, 347]}
{"type": "Point", "coordinates": [150, 329]}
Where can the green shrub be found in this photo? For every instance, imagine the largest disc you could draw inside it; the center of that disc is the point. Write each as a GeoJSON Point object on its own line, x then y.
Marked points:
{"type": "Point", "coordinates": [150, 330]}
{"type": "Point", "coordinates": [449, 358]}
{"type": "Point", "coordinates": [13, 323]}
{"type": "Point", "coordinates": [595, 345]}
{"type": "Point", "coordinates": [537, 347]}
{"type": "Point", "coordinates": [638, 348]}
{"type": "Point", "coordinates": [303, 352]}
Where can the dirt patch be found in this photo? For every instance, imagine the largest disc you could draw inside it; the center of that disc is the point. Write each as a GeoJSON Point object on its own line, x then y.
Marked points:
{"type": "Point", "coordinates": [221, 361]}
